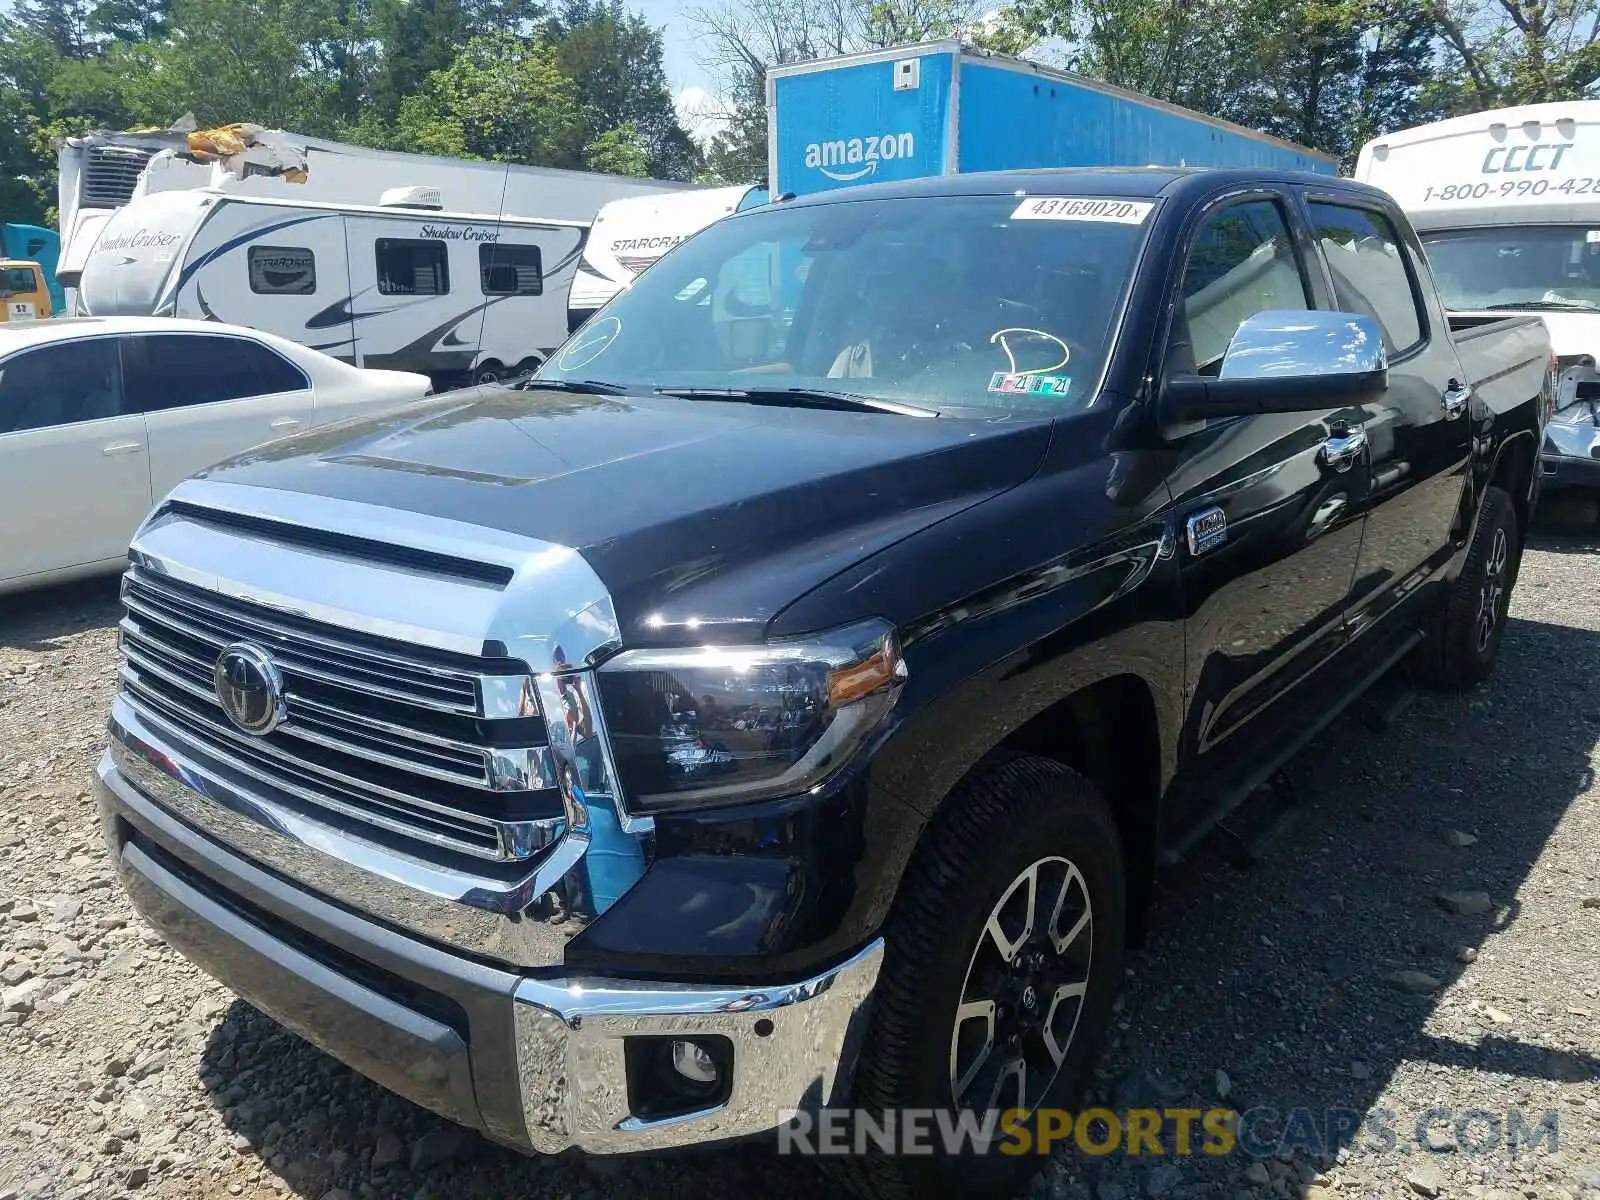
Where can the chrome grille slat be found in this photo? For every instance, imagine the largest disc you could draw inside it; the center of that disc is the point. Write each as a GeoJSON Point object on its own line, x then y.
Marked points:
{"type": "Point", "coordinates": [351, 667]}
{"type": "Point", "coordinates": [463, 837]}
{"type": "Point", "coordinates": [403, 753]}
{"type": "Point", "coordinates": [219, 727]}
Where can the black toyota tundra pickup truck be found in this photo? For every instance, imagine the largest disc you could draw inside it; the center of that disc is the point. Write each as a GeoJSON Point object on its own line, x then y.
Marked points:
{"type": "Point", "coordinates": [784, 698]}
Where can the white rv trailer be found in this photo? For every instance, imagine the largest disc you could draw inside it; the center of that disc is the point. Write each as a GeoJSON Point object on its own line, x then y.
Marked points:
{"type": "Point", "coordinates": [630, 234]}
{"type": "Point", "coordinates": [100, 172]}
{"type": "Point", "coordinates": [1507, 204]}
{"type": "Point", "coordinates": [458, 296]}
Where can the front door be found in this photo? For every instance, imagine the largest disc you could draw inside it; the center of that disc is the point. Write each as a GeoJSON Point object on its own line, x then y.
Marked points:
{"type": "Point", "coordinates": [1268, 507]}
{"type": "Point", "coordinates": [74, 471]}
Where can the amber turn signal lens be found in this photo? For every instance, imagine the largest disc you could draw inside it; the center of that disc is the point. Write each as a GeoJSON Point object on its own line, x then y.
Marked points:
{"type": "Point", "coordinates": [862, 678]}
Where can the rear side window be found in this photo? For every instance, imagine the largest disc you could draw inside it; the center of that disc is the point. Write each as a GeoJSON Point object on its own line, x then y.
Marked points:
{"type": "Point", "coordinates": [1369, 269]}
{"type": "Point", "coordinates": [411, 267]}
{"type": "Point", "coordinates": [179, 370]}
{"type": "Point", "coordinates": [511, 270]}
{"type": "Point", "coordinates": [282, 271]}
{"type": "Point", "coordinates": [1242, 263]}
{"type": "Point", "coordinates": [61, 384]}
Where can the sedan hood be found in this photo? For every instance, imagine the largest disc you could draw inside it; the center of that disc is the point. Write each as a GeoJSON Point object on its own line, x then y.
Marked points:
{"type": "Point", "coordinates": [697, 515]}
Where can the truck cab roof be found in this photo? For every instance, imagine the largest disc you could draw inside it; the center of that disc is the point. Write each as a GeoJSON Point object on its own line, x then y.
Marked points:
{"type": "Point", "coordinates": [1151, 182]}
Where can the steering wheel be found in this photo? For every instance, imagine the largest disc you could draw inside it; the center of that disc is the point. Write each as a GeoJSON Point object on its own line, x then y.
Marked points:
{"type": "Point", "coordinates": [1010, 350]}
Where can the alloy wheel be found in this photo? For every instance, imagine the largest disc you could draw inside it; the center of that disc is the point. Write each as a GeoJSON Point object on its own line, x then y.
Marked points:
{"type": "Point", "coordinates": [1024, 990]}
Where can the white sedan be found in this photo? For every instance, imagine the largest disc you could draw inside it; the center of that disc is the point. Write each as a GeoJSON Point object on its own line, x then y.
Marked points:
{"type": "Point", "coordinates": [101, 417]}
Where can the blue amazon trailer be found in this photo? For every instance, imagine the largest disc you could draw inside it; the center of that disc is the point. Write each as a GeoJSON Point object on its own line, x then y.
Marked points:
{"type": "Point", "coordinates": [943, 108]}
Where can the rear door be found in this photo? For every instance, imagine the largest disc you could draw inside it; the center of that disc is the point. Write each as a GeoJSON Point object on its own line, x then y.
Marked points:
{"type": "Point", "coordinates": [1418, 435]}
{"type": "Point", "coordinates": [1268, 506]}
{"type": "Point", "coordinates": [208, 396]}
{"type": "Point", "coordinates": [74, 472]}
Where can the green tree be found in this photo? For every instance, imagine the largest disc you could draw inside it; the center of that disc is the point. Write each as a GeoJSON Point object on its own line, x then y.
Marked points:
{"type": "Point", "coordinates": [502, 98]}
{"type": "Point", "coordinates": [618, 151]}
{"type": "Point", "coordinates": [1516, 51]}
{"type": "Point", "coordinates": [613, 58]}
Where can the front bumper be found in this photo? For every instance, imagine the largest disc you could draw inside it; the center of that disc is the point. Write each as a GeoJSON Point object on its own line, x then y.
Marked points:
{"type": "Point", "coordinates": [539, 1062]}
{"type": "Point", "coordinates": [1571, 455]}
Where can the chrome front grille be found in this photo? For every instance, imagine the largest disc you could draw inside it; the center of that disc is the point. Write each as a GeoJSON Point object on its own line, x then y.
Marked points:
{"type": "Point", "coordinates": [375, 733]}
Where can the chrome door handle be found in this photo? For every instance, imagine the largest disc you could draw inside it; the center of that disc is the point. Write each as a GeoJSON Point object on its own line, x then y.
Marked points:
{"type": "Point", "coordinates": [1342, 450]}
{"type": "Point", "coordinates": [1455, 399]}
{"type": "Point", "coordinates": [285, 423]}
{"type": "Point", "coordinates": [122, 448]}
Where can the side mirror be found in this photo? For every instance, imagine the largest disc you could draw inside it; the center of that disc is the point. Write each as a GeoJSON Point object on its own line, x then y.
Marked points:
{"type": "Point", "coordinates": [1291, 360]}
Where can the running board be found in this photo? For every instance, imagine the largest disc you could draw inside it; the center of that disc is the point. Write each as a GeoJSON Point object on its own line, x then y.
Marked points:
{"type": "Point", "coordinates": [1262, 772]}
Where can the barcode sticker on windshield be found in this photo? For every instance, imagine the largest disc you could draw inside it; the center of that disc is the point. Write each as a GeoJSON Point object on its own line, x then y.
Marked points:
{"type": "Point", "coordinates": [1084, 208]}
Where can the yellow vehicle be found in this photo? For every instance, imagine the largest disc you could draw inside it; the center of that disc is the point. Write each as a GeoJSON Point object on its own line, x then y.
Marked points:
{"type": "Point", "coordinates": [23, 294]}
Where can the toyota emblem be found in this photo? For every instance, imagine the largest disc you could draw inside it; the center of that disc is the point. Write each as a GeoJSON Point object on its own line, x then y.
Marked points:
{"type": "Point", "coordinates": [249, 688]}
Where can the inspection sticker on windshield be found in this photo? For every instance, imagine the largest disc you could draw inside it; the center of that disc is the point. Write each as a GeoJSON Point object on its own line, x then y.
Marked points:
{"type": "Point", "coordinates": [1083, 208]}
{"type": "Point", "coordinates": [1028, 384]}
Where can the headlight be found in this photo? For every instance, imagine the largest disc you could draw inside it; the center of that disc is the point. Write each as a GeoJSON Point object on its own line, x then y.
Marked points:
{"type": "Point", "coordinates": [721, 725]}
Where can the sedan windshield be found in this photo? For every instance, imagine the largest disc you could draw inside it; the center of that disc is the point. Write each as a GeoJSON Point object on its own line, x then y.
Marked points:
{"type": "Point", "coordinates": [1517, 266]}
{"type": "Point", "coordinates": [937, 303]}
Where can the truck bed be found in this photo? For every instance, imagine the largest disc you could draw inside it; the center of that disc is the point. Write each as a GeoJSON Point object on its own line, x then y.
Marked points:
{"type": "Point", "coordinates": [1505, 357]}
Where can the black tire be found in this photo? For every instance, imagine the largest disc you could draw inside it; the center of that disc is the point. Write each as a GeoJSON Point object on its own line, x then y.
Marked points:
{"type": "Point", "coordinates": [1462, 635]}
{"type": "Point", "coordinates": [527, 366]}
{"type": "Point", "coordinates": [1013, 811]}
{"type": "Point", "coordinates": [489, 372]}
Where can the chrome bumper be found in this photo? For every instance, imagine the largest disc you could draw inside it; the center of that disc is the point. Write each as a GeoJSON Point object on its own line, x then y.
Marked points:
{"type": "Point", "coordinates": [535, 1062]}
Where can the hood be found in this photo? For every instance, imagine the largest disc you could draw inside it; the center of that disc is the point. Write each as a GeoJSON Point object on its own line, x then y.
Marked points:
{"type": "Point", "coordinates": [696, 515]}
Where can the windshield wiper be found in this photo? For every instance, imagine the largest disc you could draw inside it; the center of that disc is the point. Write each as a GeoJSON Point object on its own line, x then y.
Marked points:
{"type": "Point", "coordinates": [801, 398]}
{"type": "Point", "coordinates": [1537, 305]}
{"type": "Point", "coordinates": [591, 387]}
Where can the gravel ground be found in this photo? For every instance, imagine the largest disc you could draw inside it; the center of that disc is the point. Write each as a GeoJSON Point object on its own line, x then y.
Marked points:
{"type": "Point", "coordinates": [1357, 968]}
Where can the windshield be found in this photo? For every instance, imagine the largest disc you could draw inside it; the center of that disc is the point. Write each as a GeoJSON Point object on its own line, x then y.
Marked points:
{"type": "Point", "coordinates": [16, 279]}
{"type": "Point", "coordinates": [1526, 266]}
{"type": "Point", "coordinates": [973, 302]}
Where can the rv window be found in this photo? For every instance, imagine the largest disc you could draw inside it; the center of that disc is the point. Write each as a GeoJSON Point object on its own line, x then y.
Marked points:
{"type": "Point", "coordinates": [1369, 269]}
{"type": "Point", "coordinates": [511, 270]}
{"type": "Point", "coordinates": [282, 271]}
{"type": "Point", "coordinates": [408, 267]}
{"type": "Point", "coordinates": [180, 370]}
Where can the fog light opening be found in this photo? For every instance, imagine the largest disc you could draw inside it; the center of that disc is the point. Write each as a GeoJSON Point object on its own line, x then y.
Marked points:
{"type": "Point", "coordinates": [674, 1076]}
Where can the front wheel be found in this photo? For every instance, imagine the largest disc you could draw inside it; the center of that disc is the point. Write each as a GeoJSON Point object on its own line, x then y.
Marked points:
{"type": "Point", "coordinates": [1462, 636]}
{"type": "Point", "coordinates": [1003, 957]}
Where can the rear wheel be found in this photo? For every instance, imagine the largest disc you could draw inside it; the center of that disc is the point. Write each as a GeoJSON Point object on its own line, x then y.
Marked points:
{"type": "Point", "coordinates": [1002, 962]}
{"type": "Point", "coordinates": [1463, 634]}
{"type": "Point", "coordinates": [489, 372]}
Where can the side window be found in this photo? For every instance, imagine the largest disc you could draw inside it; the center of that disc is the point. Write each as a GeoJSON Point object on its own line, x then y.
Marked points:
{"type": "Point", "coordinates": [511, 270]}
{"type": "Point", "coordinates": [1243, 262]}
{"type": "Point", "coordinates": [177, 370]}
{"type": "Point", "coordinates": [282, 271]}
{"type": "Point", "coordinates": [61, 384]}
{"type": "Point", "coordinates": [1369, 269]}
{"type": "Point", "coordinates": [411, 267]}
